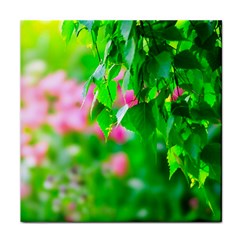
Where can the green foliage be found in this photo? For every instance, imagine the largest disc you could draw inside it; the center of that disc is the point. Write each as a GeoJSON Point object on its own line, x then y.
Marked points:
{"type": "Point", "coordinates": [142, 117]}
{"type": "Point", "coordinates": [106, 119]}
{"type": "Point", "coordinates": [157, 57]}
{"type": "Point", "coordinates": [67, 30]}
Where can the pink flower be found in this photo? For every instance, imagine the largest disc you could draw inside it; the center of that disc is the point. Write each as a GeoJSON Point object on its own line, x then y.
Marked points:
{"type": "Point", "coordinates": [25, 138]}
{"type": "Point", "coordinates": [34, 114]}
{"type": "Point", "coordinates": [36, 152]}
{"type": "Point", "coordinates": [73, 119]}
{"type": "Point", "coordinates": [58, 122]}
{"type": "Point", "coordinates": [52, 83]}
{"type": "Point", "coordinates": [24, 190]}
{"type": "Point", "coordinates": [119, 164]}
{"type": "Point", "coordinates": [176, 93]}
{"type": "Point", "coordinates": [118, 134]}
{"type": "Point", "coordinates": [120, 75]}
{"type": "Point", "coordinates": [130, 98]}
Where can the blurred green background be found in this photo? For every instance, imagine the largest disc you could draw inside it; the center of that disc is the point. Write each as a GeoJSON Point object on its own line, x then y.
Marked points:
{"type": "Point", "coordinates": [70, 174]}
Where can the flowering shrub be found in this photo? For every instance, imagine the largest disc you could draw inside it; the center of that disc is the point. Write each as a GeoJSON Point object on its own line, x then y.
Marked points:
{"type": "Point", "coordinates": [78, 161]}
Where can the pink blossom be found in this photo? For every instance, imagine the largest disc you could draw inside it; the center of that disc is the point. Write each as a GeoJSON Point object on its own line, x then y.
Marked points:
{"type": "Point", "coordinates": [120, 101]}
{"type": "Point", "coordinates": [120, 75]}
{"type": "Point", "coordinates": [119, 164]}
{"type": "Point", "coordinates": [25, 138]}
{"type": "Point", "coordinates": [36, 152]}
{"type": "Point", "coordinates": [130, 98]}
{"type": "Point", "coordinates": [58, 122]}
{"type": "Point", "coordinates": [176, 93]}
{"type": "Point", "coordinates": [52, 83]}
{"type": "Point", "coordinates": [74, 119]}
{"type": "Point", "coordinates": [118, 134]}
{"type": "Point", "coordinates": [24, 190]}
{"type": "Point", "coordinates": [34, 114]}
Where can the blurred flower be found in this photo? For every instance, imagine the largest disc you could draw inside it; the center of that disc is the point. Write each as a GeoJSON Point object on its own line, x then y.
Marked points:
{"type": "Point", "coordinates": [118, 164]}
{"type": "Point", "coordinates": [35, 152]}
{"type": "Point", "coordinates": [176, 93]}
{"type": "Point", "coordinates": [193, 203]}
{"type": "Point", "coordinates": [52, 83]}
{"type": "Point", "coordinates": [130, 98]}
{"type": "Point", "coordinates": [120, 75]}
{"type": "Point", "coordinates": [24, 190]}
{"type": "Point", "coordinates": [127, 98]}
{"type": "Point", "coordinates": [119, 134]}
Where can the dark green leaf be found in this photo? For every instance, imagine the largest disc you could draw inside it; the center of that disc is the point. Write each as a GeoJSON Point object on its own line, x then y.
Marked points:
{"type": "Point", "coordinates": [214, 58]}
{"type": "Point", "coordinates": [186, 60]}
{"type": "Point", "coordinates": [192, 146]}
{"type": "Point", "coordinates": [212, 153]}
{"type": "Point", "coordinates": [172, 34]}
{"type": "Point", "coordinates": [141, 116]}
{"type": "Point", "coordinates": [204, 30]}
{"type": "Point", "coordinates": [180, 109]}
{"type": "Point", "coordinates": [160, 66]}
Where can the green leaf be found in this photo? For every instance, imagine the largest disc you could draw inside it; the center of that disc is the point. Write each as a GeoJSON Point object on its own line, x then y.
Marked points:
{"type": "Point", "coordinates": [86, 87]}
{"type": "Point", "coordinates": [186, 60]}
{"type": "Point", "coordinates": [107, 93]}
{"type": "Point", "coordinates": [196, 78]}
{"type": "Point", "coordinates": [192, 146]}
{"type": "Point", "coordinates": [174, 161]}
{"type": "Point", "coordinates": [99, 73]}
{"type": "Point", "coordinates": [97, 109]}
{"type": "Point", "coordinates": [129, 51]}
{"type": "Point", "coordinates": [180, 109]}
{"type": "Point", "coordinates": [113, 71]}
{"type": "Point", "coordinates": [87, 23]}
{"type": "Point", "coordinates": [203, 173]}
{"type": "Point", "coordinates": [160, 66]}
{"type": "Point", "coordinates": [170, 122]}
{"type": "Point", "coordinates": [214, 133]}
{"type": "Point", "coordinates": [125, 83]}
{"type": "Point", "coordinates": [107, 50]}
{"type": "Point", "coordinates": [211, 153]}
{"type": "Point", "coordinates": [121, 112]}
{"type": "Point", "coordinates": [172, 34]}
{"type": "Point", "coordinates": [106, 120]}
{"type": "Point", "coordinates": [125, 28]}
{"type": "Point", "coordinates": [204, 30]}
{"type": "Point", "coordinates": [204, 112]}
{"type": "Point", "coordinates": [142, 119]}
{"type": "Point", "coordinates": [214, 58]}
{"type": "Point", "coordinates": [209, 94]}
{"type": "Point", "coordinates": [67, 30]}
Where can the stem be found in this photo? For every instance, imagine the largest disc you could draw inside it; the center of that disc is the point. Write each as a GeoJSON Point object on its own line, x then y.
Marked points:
{"type": "Point", "coordinates": [154, 40]}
